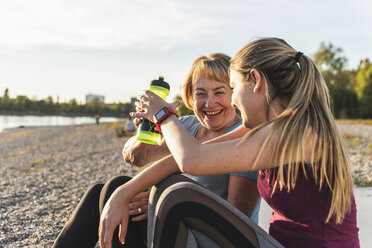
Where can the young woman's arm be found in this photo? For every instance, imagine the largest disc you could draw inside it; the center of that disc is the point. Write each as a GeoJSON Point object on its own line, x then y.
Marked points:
{"type": "Point", "coordinates": [116, 210]}
{"type": "Point", "coordinates": [234, 134]}
{"type": "Point", "coordinates": [217, 158]}
{"type": "Point", "coordinates": [197, 159]}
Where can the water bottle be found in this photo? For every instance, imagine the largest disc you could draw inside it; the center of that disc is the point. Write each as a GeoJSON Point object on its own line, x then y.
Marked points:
{"type": "Point", "coordinates": [147, 133]}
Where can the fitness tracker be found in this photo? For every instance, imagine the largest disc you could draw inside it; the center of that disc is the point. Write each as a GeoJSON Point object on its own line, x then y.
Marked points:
{"type": "Point", "coordinates": [163, 114]}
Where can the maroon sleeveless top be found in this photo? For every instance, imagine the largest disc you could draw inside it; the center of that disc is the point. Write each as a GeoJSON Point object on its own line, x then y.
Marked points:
{"type": "Point", "coordinates": [299, 216]}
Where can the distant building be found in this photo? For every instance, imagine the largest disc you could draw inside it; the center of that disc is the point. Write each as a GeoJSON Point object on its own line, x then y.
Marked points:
{"type": "Point", "coordinates": [90, 97]}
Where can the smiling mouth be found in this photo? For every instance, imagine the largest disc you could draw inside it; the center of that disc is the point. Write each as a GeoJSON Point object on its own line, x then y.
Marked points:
{"type": "Point", "coordinates": [212, 113]}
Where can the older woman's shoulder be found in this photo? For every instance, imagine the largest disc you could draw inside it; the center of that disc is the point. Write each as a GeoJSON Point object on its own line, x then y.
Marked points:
{"type": "Point", "coordinates": [191, 123]}
{"type": "Point", "coordinates": [188, 120]}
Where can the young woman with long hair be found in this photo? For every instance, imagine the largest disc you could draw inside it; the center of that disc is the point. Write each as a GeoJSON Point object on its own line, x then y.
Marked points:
{"type": "Point", "coordinates": [304, 167]}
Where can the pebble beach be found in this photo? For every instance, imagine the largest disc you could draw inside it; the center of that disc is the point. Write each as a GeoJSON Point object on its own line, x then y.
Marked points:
{"type": "Point", "coordinates": [44, 172]}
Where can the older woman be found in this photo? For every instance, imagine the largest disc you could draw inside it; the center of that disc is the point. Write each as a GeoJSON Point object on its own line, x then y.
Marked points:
{"type": "Point", "coordinates": [207, 92]}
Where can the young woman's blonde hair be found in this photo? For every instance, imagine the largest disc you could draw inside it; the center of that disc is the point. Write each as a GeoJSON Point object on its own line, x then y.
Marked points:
{"type": "Point", "coordinates": [295, 80]}
{"type": "Point", "coordinates": [214, 66]}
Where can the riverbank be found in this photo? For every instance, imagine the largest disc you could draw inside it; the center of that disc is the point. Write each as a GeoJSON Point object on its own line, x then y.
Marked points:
{"type": "Point", "coordinates": [64, 114]}
{"type": "Point", "coordinates": [46, 170]}
{"type": "Point", "coordinates": [14, 121]}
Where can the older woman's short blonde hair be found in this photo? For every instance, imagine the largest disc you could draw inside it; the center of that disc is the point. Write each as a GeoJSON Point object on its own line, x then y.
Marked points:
{"type": "Point", "coordinates": [214, 66]}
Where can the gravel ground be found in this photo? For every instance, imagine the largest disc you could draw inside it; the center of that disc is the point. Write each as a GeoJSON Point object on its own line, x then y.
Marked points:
{"type": "Point", "coordinates": [44, 172]}
{"type": "Point", "coordinates": [358, 139]}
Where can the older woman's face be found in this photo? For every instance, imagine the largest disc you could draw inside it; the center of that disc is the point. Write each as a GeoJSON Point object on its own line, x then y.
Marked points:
{"type": "Point", "coordinates": [212, 103]}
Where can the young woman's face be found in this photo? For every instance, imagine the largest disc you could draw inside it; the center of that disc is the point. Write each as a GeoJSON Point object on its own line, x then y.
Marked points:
{"type": "Point", "coordinates": [249, 103]}
{"type": "Point", "coordinates": [212, 103]}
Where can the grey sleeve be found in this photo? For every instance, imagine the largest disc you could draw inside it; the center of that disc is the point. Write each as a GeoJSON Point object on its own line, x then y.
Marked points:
{"type": "Point", "coordinates": [251, 175]}
{"type": "Point", "coordinates": [189, 122]}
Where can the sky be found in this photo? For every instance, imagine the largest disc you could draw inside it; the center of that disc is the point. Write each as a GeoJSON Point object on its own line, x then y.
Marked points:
{"type": "Point", "coordinates": [71, 48]}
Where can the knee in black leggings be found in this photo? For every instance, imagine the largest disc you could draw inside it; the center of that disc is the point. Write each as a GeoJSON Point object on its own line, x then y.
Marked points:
{"type": "Point", "coordinates": [82, 228]}
{"type": "Point", "coordinates": [93, 192]}
{"type": "Point", "coordinates": [90, 200]}
{"type": "Point", "coordinates": [109, 188]}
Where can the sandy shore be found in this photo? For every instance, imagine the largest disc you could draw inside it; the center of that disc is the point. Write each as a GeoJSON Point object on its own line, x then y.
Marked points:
{"type": "Point", "coordinates": [44, 171]}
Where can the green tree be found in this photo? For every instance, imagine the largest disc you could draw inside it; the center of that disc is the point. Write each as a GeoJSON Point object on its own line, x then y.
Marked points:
{"type": "Point", "coordinates": [20, 103]}
{"type": "Point", "coordinates": [41, 106]}
{"type": "Point", "coordinates": [50, 106]}
{"type": "Point", "coordinates": [363, 88]}
{"type": "Point", "coordinates": [347, 103]}
{"type": "Point", "coordinates": [73, 106]}
{"type": "Point", "coordinates": [332, 63]}
{"type": "Point", "coordinates": [182, 109]}
{"type": "Point", "coordinates": [5, 101]}
{"type": "Point", "coordinates": [95, 106]}
{"type": "Point", "coordinates": [123, 109]}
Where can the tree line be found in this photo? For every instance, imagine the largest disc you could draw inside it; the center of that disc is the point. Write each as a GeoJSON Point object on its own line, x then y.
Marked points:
{"type": "Point", "coordinates": [350, 93]}
{"type": "Point", "coordinates": [49, 106]}
{"type": "Point", "coordinates": [350, 90]}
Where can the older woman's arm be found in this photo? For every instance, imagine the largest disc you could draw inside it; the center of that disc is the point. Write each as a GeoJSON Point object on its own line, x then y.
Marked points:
{"type": "Point", "coordinates": [140, 154]}
{"type": "Point", "coordinates": [243, 194]}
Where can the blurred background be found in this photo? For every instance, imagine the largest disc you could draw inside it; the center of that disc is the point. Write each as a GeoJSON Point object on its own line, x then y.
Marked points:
{"type": "Point", "coordinates": [67, 62]}
{"type": "Point", "coordinates": [82, 58]}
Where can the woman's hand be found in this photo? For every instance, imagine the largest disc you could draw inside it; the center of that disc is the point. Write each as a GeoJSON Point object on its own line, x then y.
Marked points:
{"type": "Point", "coordinates": [139, 206]}
{"type": "Point", "coordinates": [149, 104]}
{"type": "Point", "coordinates": [137, 122]}
{"type": "Point", "coordinates": [115, 213]}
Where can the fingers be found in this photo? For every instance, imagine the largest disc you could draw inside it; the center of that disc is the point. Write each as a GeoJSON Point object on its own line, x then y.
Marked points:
{"type": "Point", "coordinates": [146, 96]}
{"type": "Point", "coordinates": [138, 208]}
{"type": "Point", "coordinates": [137, 122]}
{"type": "Point", "coordinates": [138, 201]}
{"type": "Point", "coordinates": [138, 114]}
{"type": "Point", "coordinates": [148, 105]}
{"type": "Point", "coordinates": [138, 106]}
{"type": "Point", "coordinates": [151, 94]}
{"type": "Point", "coordinates": [142, 97]}
{"type": "Point", "coordinates": [141, 196]}
{"type": "Point", "coordinates": [122, 233]}
{"type": "Point", "coordinates": [105, 234]}
{"type": "Point", "coordinates": [140, 217]}
{"type": "Point", "coordinates": [176, 104]}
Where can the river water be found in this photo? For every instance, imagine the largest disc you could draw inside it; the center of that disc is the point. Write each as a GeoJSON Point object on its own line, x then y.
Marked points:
{"type": "Point", "coordinates": [363, 197]}
{"type": "Point", "coordinates": [11, 121]}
